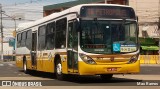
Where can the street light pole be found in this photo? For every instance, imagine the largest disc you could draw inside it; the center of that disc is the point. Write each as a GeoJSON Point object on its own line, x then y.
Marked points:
{"type": "Point", "coordinates": [105, 1]}
{"type": "Point", "coordinates": [12, 19]}
{"type": "Point", "coordinates": [14, 33]}
{"type": "Point", "coordinates": [159, 27]}
{"type": "Point", "coordinates": [1, 34]}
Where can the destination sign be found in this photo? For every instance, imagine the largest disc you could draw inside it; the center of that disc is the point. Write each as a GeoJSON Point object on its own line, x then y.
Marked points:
{"type": "Point", "coordinates": [107, 12]}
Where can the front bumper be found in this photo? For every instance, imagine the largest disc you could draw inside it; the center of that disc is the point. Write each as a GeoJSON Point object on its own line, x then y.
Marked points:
{"type": "Point", "coordinates": [88, 69]}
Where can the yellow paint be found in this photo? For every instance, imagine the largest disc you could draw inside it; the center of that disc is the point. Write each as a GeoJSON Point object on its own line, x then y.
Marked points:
{"type": "Point", "coordinates": [48, 66]}
{"type": "Point", "coordinates": [70, 71]}
{"type": "Point", "coordinates": [73, 71]}
{"type": "Point", "coordinates": [39, 64]}
{"type": "Point", "coordinates": [88, 69]}
{"type": "Point", "coordinates": [29, 65]}
{"type": "Point", "coordinates": [152, 60]}
{"type": "Point", "coordinates": [14, 33]}
{"type": "Point", "coordinates": [45, 65]}
{"type": "Point", "coordinates": [141, 59]}
{"type": "Point", "coordinates": [19, 61]}
{"type": "Point", "coordinates": [64, 67]}
{"type": "Point", "coordinates": [149, 59]}
{"type": "Point", "coordinates": [111, 59]}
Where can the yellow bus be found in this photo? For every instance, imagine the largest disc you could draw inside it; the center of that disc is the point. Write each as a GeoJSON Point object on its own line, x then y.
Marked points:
{"type": "Point", "coordinates": [87, 39]}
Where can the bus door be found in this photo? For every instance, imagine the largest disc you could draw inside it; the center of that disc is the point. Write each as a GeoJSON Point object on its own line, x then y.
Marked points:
{"type": "Point", "coordinates": [72, 51]}
{"type": "Point", "coordinates": [34, 50]}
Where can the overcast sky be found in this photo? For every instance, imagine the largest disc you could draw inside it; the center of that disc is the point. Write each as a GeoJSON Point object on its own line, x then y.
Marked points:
{"type": "Point", "coordinates": [29, 10]}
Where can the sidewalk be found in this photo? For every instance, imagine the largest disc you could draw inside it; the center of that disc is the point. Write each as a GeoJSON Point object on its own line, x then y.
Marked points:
{"type": "Point", "coordinates": [11, 62]}
{"type": "Point", "coordinates": [150, 65]}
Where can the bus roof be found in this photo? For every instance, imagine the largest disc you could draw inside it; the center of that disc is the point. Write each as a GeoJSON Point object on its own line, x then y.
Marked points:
{"type": "Point", "coordinates": [55, 15]}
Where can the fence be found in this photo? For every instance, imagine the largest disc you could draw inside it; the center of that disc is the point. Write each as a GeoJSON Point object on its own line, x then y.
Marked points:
{"type": "Point", "coordinates": [149, 59]}
{"type": "Point", "coordinates": [8, 58]}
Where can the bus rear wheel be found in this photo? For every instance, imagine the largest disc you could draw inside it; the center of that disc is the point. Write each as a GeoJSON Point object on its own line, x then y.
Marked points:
{"type": "Point", "coordinates": [25, 67]}
{"type": "Point", "coordinates": [106, 76]}
{"type": "Point", "coordinates": [59, 74]}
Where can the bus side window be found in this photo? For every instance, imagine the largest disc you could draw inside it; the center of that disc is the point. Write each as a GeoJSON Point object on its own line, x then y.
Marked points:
{"type": "Point", "coordinates": [41, 37]}
{"type": "Point", "coordinates": [23, 41]}
{"type": "Point", "coordinates": [29, 39]}
{"type": "Point", "coordinates": [19, 40]}
{"type": "Point", "coordinates": [61, 26]}
{"type": "Point", "coordinates": [50, 36]}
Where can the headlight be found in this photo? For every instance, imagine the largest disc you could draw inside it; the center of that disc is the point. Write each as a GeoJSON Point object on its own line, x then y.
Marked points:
{"type": "Point", "coordinates": [133, 59]}
{"type": "Point", "coordinates": [87, 59]}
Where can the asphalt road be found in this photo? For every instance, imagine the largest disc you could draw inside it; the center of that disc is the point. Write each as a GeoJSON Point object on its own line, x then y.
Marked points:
{"type": "Point", "coordinates": [8, 71]}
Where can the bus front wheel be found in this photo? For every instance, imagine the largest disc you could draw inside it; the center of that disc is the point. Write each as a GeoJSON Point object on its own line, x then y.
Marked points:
{"type": "Point", "coordinates": [106, 76]}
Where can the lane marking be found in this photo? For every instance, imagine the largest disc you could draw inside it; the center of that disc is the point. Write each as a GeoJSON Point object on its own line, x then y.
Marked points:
{"type": "Point", "coordinates": [1, 64]}
{"type": "Point", "coordinates": [10, 64]}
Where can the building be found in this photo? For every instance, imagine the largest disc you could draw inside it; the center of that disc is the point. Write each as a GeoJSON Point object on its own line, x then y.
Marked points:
{"type": "Point", "coordinates": [7, 51]}
{"type": "Point", "coordinates": [62, 6]}
{"type": "Point", "coordinates": [8, 47]}
{"type": "Point", "coordinates": [148, 14]}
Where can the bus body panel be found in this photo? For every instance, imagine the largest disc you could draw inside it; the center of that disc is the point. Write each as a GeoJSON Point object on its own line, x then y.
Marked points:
{"type": "Point", "coordinates": [64, 64]}
{"type": "Point", "coordinates": [39, 64]}
{"type": "Point", "coordinates": [45, 62]}
{"type": "Point", "coordinates": [28, 59]}
{"type": "Point", "coordinates": [19, 61]}
{"type": "Point", "coordinates": [48, 65]}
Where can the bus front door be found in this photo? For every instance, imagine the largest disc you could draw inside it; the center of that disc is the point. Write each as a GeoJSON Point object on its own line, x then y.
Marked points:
{"type": "Point", "coordinates": [72, 51]}
{"type": "Point", "coordinates": [33, 51]}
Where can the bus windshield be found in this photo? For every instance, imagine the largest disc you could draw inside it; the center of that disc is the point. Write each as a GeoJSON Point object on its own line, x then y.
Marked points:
{"type": "Point", "coordinates": [108, 37]}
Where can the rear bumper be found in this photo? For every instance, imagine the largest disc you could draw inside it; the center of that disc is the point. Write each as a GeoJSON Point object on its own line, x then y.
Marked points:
{"type": "Point", "coordinates": [88, 69]}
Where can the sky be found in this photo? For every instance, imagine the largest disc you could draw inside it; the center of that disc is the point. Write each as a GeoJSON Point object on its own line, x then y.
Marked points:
{"type": "Point", "coordinates": [28, 10]}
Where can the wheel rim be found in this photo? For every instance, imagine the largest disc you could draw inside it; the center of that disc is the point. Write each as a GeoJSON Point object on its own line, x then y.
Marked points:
{"type": "Point", "coordinates": [59, 68]}
{"type": "Point", "coordinates": [25, 67]}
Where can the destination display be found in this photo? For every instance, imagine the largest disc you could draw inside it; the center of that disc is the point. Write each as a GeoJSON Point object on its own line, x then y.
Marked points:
{"type": "Point", "coordinates": [107, 12]}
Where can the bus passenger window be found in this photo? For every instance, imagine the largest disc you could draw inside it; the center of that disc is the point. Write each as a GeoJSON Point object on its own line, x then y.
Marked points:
{"type": "Point", "coordinates": [19, 38]}
{"type": "Point", "coordinates": [41, 37]}
{"type": "Point", "coordinates": [23, 41]}
{"type": "Point", "coordinates": [61, 26]}
{"type": "Point", "coordinates": [29, 39]}
{"type": "Point", "coordinates": [50, 35]}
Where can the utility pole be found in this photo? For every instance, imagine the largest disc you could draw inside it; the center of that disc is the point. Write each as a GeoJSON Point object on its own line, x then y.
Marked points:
{"type": "Point", "coordinates": [1, 34]}
{"type": "Point", "coordinates": [159, 26]}
{"type": "Point", "coordinates": [105, 1]}
{"type": "Point", "coordinates": [159, 16]}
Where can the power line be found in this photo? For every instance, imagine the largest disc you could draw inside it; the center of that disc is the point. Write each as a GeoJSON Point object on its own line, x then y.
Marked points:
{"type": "Point", "coordinates": [1, 34]}
{"type": "Point", "coordinates": [36, 1]}
{"type": "Point", "coordinates": [28, 2]}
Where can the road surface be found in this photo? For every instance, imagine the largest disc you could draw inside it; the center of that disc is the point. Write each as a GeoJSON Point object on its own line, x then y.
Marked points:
{"type": "Point", "coordinates": [149, 73]}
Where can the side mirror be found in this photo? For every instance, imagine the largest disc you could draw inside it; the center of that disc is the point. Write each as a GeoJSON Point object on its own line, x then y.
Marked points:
{"type": "Point", "coordinates": [137, 18]}
{"type": "Point", "coordinates": [123, 23]}
{"type": "Point", "coordinates": [137, 29]}
{"type": "Point", "coordinates": [77, 25]}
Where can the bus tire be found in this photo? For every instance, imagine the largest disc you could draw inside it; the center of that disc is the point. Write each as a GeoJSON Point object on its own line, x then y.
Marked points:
{"type": "Point", "coordinates": [106, 76]}
{"type": "Point", "coordinates": [25, 67]}
{"type": "Point", "coordinates": [58, 70]}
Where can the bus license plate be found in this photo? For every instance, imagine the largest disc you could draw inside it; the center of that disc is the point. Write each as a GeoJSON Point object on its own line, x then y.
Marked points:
{"type": "Point", "coordinates": [111, 69]}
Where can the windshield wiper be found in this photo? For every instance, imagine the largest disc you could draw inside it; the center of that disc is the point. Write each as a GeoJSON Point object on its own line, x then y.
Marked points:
{"type": "Point", "coordinates": [97, 23]}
